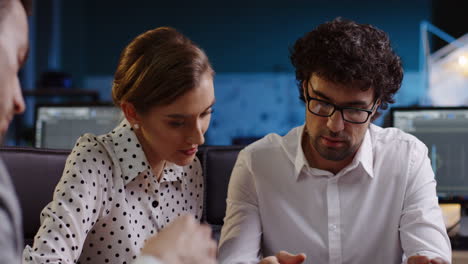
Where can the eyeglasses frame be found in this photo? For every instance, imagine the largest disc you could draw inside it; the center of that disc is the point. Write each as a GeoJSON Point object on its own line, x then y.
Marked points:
{"type": "Point", "coordinates": [340, 108]}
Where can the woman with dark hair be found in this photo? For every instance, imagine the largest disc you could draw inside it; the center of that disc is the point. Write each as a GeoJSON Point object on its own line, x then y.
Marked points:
{"type": "Point", "coordinates": [119, 189]}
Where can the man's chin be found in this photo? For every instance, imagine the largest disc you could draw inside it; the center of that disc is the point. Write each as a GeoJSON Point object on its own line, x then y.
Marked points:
{"type": "Point", "coordinates": [334, 154]}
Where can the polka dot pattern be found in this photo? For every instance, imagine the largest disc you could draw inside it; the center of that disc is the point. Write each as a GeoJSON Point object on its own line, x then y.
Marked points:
{"type": "Point", "coordinates": [108, 202]}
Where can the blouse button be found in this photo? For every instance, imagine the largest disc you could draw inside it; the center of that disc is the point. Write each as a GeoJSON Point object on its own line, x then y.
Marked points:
{"type": "Point", "coordinates": [155, 204]}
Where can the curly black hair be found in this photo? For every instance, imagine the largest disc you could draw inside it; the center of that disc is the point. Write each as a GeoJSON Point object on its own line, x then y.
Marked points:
{"type": "Point", "coordinates": [343, 51]}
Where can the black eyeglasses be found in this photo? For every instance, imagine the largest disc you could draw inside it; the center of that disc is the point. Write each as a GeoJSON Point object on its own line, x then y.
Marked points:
{"type": "Point", "coordinates": [349, 114]}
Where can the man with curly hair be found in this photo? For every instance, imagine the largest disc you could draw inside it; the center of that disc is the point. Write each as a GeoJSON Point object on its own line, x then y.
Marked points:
{"type": "Point", "coordinates": [337, 189]}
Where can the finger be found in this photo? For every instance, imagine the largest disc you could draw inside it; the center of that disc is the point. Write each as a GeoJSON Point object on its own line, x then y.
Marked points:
{"type": "Point", "coordinates": [269, 260]}
{"type": "Point", "coordinates": [438, 261]}
{"type": "Point", "coordinates": [288, 258]}
{"type": "Point", "coordinates": [418, 260]}
{"type": "Point", "coordinates": [212, 248]}
{"type": "Point", "coordinates": [187, 224]}
{"type": "Point", "coordinates": [206, 230]}
{"type": "Point", "coordinates": [301, 256]}
{"type": "Point", "coordinates": [190, 219]}
{"type": "Point", "coordinates": [183, 222]}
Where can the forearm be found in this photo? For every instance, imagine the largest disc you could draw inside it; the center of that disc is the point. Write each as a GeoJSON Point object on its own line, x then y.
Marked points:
{"type": "Point", "coordinates": [65, 222]}
{"type": "Point", "coordinates": [423, 233]}
{"type": "Point", "coordinates": [242, 229]}
{"type": "Point", "coordinates": [240, 235]}
{"type": "Point", "coordinates": [53, 243]}
{"type": "Point", "coordinates": [422, 229]}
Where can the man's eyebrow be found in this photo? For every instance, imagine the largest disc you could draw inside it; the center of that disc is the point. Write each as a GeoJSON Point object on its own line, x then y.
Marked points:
{"type": "Point", "coordinates": [320, 94]}
{"type": "Point", "coordinates": [180, 116]}
{"type": "Point", "coordinates": [351, 103]}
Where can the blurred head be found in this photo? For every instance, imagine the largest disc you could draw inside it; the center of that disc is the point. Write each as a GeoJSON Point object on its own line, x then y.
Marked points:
{"type": "Point", "coordinates": [339, 65]}
{"type": "Point", "coordinates": [164, 85]}
{"type": "Point", "coordinates": [13, 53]}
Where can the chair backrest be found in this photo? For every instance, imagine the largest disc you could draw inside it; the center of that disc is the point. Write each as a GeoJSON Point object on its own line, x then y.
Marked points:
{"type": "Point", "coordinates": [218, 162]}
{"type": "Point", "coordinates": [34, 173]}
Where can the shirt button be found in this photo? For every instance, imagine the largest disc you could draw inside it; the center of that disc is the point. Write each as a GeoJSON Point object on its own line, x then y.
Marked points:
{"type": "Point", "coordinates": [332, 227]}
{"type": "Point", "coordinates": [155, 204]}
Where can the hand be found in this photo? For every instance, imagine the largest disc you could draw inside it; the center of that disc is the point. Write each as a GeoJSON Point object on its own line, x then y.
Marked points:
{"type": "Point", "coordinates": [284, 257]}
{"type": "Point", "coordinates": [183, 241]}
{"type": "Point", "coordinates": [425, 260]}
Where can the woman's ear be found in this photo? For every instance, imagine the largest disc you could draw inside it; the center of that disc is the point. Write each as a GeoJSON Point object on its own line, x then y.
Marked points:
{"type": "Point", "coordinates": [130, 113]}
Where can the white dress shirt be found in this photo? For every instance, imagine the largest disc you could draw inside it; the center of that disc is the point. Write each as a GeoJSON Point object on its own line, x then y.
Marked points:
{"type": "Point", "coordinates": [108, 202]}
{"type": "Point", "coordinates": [381, 208]}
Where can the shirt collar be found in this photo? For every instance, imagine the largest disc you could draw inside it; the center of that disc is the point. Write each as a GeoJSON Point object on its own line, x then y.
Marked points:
{"type": "Point", "coordinates": [132, 158]}
{"type": "Point", "coordinates": [128, 150]}
{"type": "Point", "coordinates": [300, 160]}
{"type": "Point", "coordinates": [173, 172]}
{"type": "Point", "coordinates": [363, 157]}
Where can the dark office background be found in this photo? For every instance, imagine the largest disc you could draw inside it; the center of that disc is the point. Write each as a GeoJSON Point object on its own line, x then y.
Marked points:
{"type": "Point", "coordinates": [247, 42]}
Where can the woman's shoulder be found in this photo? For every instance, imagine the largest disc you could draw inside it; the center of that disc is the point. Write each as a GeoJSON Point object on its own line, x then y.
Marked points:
{"type": "Point", "coordinates": [89, 142]}
{"type": "Point", "coordinates": [91, 150]}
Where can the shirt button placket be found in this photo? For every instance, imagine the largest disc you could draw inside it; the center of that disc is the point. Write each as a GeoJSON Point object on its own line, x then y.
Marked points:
{"type": "Point", "coordinates": [157, 201]}
{"type": "Point", "coordinates": [334, 221]}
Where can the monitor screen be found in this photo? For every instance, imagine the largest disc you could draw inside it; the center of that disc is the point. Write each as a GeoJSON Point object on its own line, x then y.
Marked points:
{"type": "Point", "coordinates": [59, 126]}
{"type": "Point", "coordinates": [445, 133]}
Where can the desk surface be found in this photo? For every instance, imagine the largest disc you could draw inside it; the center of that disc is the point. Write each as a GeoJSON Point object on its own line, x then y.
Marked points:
{"type": "Point", "coordinates": [459, 257]}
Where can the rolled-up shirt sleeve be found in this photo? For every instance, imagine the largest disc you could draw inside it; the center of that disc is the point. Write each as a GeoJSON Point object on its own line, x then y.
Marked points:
{"type": "Point", "coordinates": [422, 229]}
{"type": "Point", "coordinates": [241, 233]}
{"type": "Point", "coordinates": [78, 201]}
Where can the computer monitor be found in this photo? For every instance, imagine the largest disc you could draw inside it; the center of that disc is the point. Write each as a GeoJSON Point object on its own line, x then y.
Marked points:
{"type": "Point", "coordinates": [59, 126]}
{"type": "Point", "coordinates": [444, 130]}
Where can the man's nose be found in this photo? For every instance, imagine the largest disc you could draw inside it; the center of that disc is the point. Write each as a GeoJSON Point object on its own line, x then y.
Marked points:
{"type": "Point", "coordinates": [335, 122]}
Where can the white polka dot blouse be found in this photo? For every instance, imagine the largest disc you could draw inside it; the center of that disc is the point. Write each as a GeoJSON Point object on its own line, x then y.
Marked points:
{"type": "Point", "coordinates": [108, 202]}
